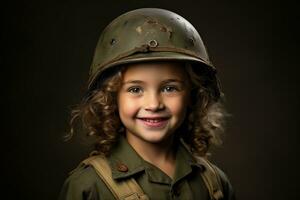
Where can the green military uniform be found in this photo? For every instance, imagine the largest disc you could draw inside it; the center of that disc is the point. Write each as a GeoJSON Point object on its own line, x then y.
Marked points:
{"type": "Point", "coordinates": [142, 35]}
{"type": "Point", "coordinates": [85, 184]}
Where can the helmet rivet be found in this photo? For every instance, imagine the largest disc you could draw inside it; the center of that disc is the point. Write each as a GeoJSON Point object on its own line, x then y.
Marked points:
{"type": "Point", "coordinates": [191, 41]}
{"type": "Point", "coordinates": [153, 43]}
{"type": "Point", "coordinates": [113, 41]}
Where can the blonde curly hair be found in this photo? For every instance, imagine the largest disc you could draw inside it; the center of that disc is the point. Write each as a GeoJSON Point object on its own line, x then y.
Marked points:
{"type": "Point", "coordinates": [201, 128]}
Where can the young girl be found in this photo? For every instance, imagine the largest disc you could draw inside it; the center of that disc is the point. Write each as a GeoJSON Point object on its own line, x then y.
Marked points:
{"type": "Point", "coordinates": [153, 107]}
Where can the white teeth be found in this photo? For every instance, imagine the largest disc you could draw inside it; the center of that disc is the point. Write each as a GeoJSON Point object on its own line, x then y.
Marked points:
{"type": "Point", "coordinates": [152, 120]}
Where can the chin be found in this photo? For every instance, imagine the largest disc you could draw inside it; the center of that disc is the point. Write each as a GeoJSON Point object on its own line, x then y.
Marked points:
{"type": "Point", "coordinates": [154, 137]}
{"type": "Point", "coordinates": [140, 134]}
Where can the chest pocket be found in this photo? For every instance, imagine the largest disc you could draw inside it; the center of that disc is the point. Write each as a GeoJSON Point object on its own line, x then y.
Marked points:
{"type": "Point", "coordinates": [130, 190]}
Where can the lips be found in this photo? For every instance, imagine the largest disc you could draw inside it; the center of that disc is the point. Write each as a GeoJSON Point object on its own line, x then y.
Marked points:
{"type": "Point", "coordinates": [157, 122]}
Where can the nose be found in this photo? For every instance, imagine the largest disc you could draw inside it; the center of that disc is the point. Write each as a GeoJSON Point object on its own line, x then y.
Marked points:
{"type": "Point", "coordinates": [153, 102]}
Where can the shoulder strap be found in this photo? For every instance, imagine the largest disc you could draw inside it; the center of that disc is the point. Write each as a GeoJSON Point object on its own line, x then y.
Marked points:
{"type": "Point", "coordinates": [211, 179]}
{"type": "Point", "coordinates": [123, 190]}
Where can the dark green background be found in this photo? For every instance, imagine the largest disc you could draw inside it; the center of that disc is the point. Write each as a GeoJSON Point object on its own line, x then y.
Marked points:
{"type": "Point", "coordinates": [47, 48]}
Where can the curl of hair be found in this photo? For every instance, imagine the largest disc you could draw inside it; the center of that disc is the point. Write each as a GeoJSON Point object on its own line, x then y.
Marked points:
{"type": "Point", "coordinates": [201, 128]}
{"type": "Point", "coordinates": [205, 116]}
{"type": "Point", "coordinates": [99, 114]}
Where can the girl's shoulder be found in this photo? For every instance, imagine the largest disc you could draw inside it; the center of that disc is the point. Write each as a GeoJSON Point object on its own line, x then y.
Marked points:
{"type": "Point", "coordinates": [83, 174]}
{"type": "Point", "coordinates": [228, 190]}
{"type": "Point", "coordinates": [215, 179]}
{"type": "Point", "coordinates": [83, 183]}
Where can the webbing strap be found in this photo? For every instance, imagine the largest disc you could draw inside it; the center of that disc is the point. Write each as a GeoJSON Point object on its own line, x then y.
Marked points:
{"type": "Point", "coordinates": [130, 190]}
{"type": "Point", "coordinates": [211, 179]}
{"type": "Point", "coordinates": [123, 190]}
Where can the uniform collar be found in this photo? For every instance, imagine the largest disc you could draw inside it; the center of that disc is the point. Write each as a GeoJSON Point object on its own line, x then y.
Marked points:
{"type": "Point", "coordinates": [185, 162]}
{"type": "Point", "coordinates": [125, 162]}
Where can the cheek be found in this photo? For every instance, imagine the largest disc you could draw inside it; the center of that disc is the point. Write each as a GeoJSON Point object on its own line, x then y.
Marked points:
{"type": "Point", "coordinates": [127, 107]}
{"type": "Point", "coordinates": [177, 105]}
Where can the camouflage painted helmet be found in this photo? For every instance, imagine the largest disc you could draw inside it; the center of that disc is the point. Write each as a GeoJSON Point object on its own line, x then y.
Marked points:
{"type": "Point", "coordinates": [149, 34]}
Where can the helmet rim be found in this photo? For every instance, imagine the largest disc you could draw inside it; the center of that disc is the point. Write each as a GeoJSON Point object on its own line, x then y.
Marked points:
{"type": "Point", "coordinates": [148, 57]}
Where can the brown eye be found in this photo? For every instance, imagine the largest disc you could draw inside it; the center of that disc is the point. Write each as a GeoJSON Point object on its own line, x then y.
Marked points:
{"type": "Point", "coordinates": [135, 90]}
{"type": "Point", "coordinates": [170, 89]}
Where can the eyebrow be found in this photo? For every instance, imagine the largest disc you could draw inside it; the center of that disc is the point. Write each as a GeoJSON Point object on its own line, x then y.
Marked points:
{"type": "Point", "coordinates": [163, 82]}
{"type": "Point", "coordinates": [173, 80]}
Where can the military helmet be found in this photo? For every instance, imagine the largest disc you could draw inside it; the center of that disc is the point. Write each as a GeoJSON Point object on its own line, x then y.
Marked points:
{"type": "Point", "coordinates": [149, 34]}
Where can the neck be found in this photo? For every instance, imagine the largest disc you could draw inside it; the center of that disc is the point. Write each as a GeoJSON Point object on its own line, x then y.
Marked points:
{"type": "Point", "coordinates": [154, 153]}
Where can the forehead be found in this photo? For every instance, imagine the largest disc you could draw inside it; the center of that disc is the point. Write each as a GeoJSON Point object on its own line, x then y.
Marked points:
{"type": "Point", "coordinates": [155, 70]}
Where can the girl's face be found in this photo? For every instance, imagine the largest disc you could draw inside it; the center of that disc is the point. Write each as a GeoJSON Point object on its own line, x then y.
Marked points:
{"type": "Point", "coordinates": [152, 100]}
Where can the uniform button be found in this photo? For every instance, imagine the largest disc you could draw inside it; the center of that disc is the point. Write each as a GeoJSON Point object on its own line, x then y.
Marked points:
{"type": "Point", "coordinates": [122, 167]}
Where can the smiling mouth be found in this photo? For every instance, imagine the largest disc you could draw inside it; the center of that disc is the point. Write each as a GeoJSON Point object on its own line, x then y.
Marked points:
{"type": "Point", "coordinates": [154, 122]}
